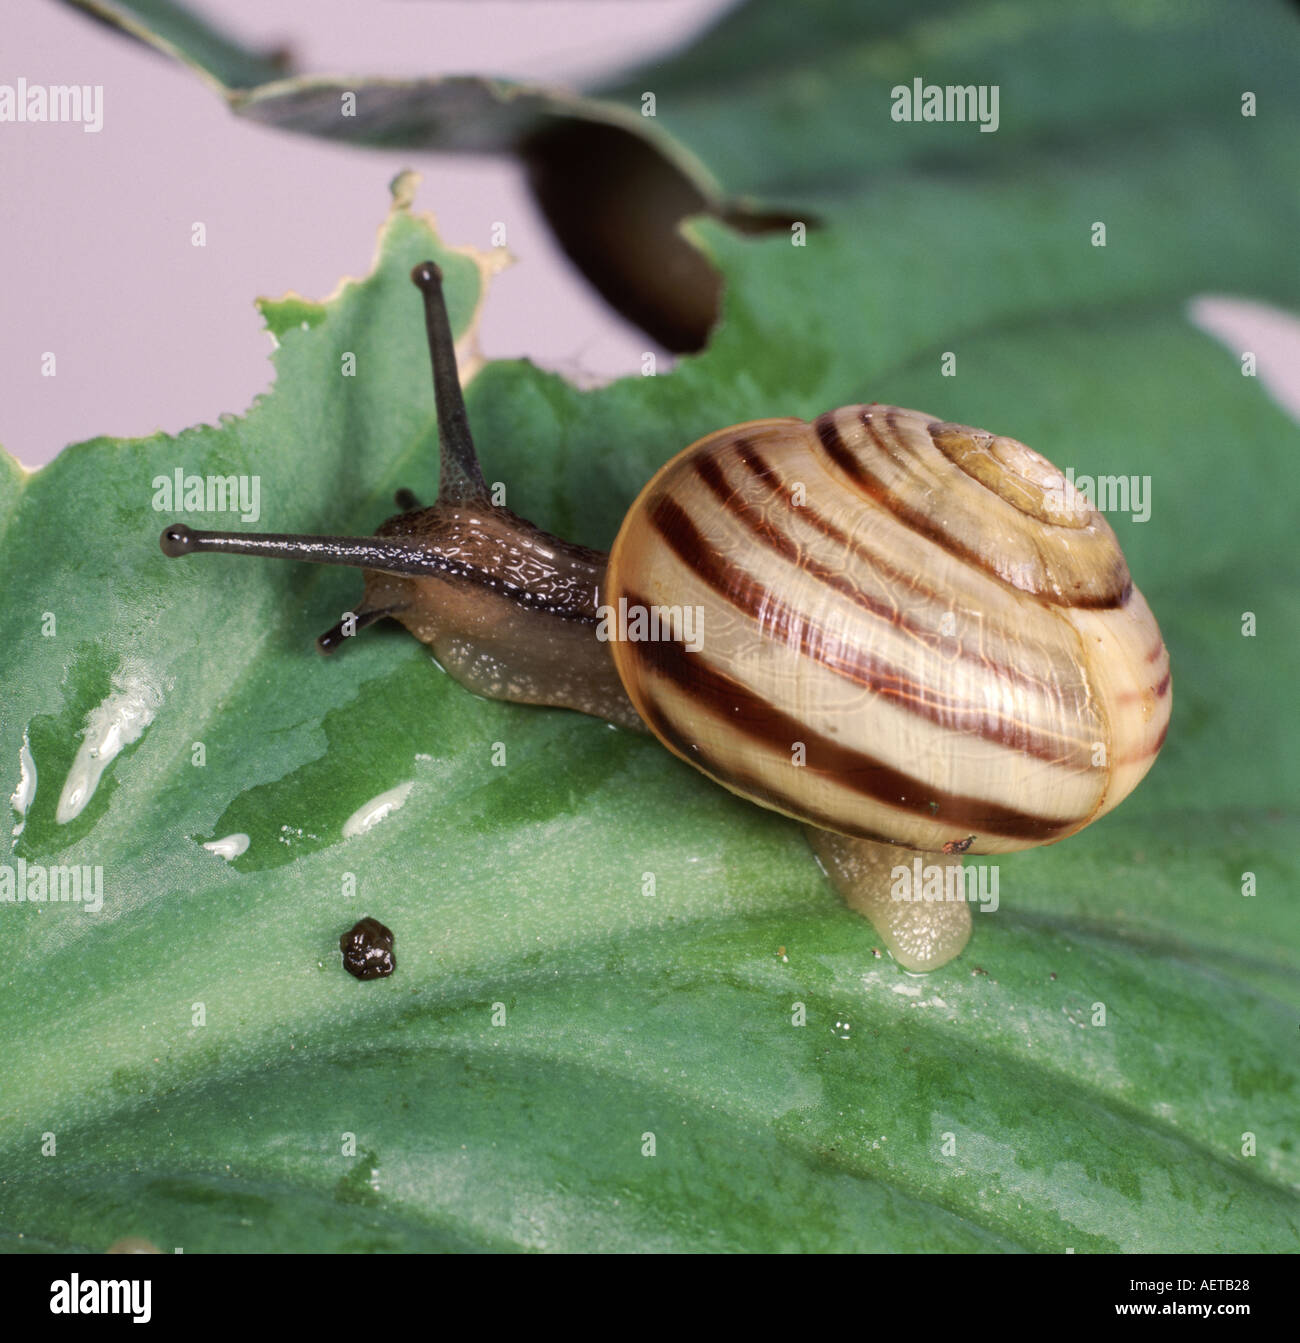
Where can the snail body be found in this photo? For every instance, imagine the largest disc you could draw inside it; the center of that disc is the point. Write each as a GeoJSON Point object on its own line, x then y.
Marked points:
{"type": "Point", "coordinates": [907, 633]}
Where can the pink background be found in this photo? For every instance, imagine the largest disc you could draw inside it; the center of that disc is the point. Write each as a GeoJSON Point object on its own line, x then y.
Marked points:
{"type": "Point", "coordinates": [150, 332]}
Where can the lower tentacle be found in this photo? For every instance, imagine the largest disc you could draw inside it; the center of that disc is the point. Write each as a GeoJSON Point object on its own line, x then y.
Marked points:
{"type": "Point", "coordinates": [353, 623]}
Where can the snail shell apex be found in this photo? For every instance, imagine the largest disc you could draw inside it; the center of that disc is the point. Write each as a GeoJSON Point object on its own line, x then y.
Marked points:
{"type": "Point", "coordinates": [910, 631]}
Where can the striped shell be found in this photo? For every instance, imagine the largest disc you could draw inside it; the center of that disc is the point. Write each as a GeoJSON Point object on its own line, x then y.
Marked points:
{"type": "Point", "coordinates": [917, 611]}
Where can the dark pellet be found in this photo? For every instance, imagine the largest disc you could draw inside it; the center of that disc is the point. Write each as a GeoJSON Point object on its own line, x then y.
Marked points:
{"type": "Point", "coordinates": [367, 949]}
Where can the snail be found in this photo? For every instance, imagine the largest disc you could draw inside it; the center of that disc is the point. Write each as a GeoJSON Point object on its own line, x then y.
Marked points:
{"type": "Point", "coordinates": [906, 633]}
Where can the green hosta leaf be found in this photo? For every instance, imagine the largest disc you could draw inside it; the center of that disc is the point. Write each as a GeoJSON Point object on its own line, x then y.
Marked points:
{"type": "Point", "coordinates": [462, 113]}
{"type": "Point", "coordinates": [1090, 1073]}
{"type": "Point", "coordinates": [176, 31]}
{"type": "Point", "coordinates": [804, 109]}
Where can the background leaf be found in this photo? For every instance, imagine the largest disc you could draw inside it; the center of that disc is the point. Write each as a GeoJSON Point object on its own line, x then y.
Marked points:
{"type": "Point", "coordinates": [179, 32]}
{"type": "Point", "coordinates": [523, 886]}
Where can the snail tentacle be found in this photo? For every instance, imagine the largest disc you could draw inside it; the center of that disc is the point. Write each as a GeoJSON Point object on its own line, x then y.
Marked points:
{"type": "Point", "coordinates": [462, 478]}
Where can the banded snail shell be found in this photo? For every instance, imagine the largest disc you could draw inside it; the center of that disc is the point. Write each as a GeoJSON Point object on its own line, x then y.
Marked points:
{"type": "Point", "coordinates": [956, 643]}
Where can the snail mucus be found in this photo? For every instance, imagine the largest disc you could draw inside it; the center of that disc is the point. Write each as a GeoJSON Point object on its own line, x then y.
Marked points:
{"type": "Point", "coordinates": [913, 636]}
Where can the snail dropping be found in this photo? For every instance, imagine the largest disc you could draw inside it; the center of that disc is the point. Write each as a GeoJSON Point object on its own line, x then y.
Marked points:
{"type": "Point", "coordinates": [367, 949]}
